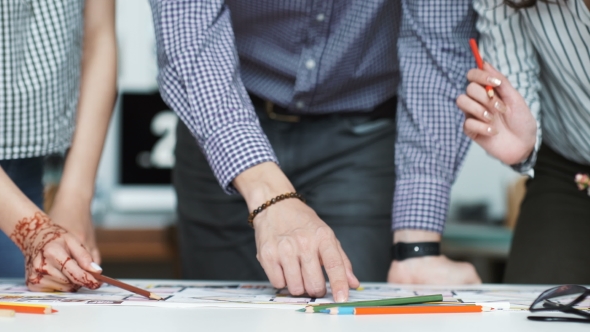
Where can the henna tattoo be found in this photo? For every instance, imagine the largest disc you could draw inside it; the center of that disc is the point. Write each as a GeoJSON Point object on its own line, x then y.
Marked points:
{"type": "Point", "coordinates": [31, 235]}
{"type": "Point", "coordinates": [64, 263]}
{"type": "Point", "coordinates": [84, 281]}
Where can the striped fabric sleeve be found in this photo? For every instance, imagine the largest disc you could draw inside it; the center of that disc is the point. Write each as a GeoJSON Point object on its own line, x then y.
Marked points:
{"type": "Point", "coordinates": [505, 46]}
{"type": "Point", "coordinates": [199, 79]}
{"type": "Point", "coordinates": [434, 55]}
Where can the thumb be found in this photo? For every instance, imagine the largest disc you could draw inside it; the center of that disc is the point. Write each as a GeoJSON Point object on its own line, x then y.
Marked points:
{"type": "Point", "coordinates": [82, 256]}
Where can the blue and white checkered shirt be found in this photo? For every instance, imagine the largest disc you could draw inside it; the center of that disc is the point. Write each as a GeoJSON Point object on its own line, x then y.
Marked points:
{"type": "Point", "coordinates": [323, 56]}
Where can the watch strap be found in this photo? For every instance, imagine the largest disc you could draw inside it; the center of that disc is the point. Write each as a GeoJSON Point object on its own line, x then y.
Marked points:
{"type": "Point", "coordinates": [403, 250]}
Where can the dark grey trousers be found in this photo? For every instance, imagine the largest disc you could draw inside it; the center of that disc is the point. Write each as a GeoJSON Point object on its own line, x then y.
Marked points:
{"type": "Point", "coordinates": [551, 243]}
{"type": "Point", "coordinates": [343, 166]}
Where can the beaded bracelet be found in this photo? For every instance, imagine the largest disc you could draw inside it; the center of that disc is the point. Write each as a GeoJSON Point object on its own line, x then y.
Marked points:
{"type": "Point", "coordinates": [269, 203]}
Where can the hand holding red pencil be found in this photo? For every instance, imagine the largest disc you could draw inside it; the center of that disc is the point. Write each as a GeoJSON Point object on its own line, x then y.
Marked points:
{"type": "Point", "coordinates": [479, 61]}
{"type": "Point", "coordinates": [54, 259]}
{"type": "Point", "coordinates": [503, 124]}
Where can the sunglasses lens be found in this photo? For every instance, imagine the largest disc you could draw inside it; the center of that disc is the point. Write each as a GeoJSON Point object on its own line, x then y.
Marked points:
{"type": "Point", "coordinates": [554, 297]}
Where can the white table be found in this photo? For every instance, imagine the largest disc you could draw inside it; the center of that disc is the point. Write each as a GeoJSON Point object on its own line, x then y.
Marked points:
{"type": "Point", "coordinates": [147, 319]}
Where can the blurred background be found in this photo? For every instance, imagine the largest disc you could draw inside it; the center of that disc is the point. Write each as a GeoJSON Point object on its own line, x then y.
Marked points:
{"type": "Point", "coordinates": [134, 204]}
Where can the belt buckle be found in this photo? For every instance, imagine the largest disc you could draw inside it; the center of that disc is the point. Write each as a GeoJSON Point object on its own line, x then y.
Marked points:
{"type": "Point", "coordinates": [269, 108]}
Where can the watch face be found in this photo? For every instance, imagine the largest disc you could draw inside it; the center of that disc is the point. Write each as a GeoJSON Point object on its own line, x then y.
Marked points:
{"type": "Point", "coordinates": [148, 137]}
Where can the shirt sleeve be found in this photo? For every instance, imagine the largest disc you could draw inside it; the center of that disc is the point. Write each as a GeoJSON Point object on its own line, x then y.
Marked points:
{"type": "Point", "coordinates": [505, 45]}
{"type": "Point", "coordinates": [199, 79]}
{"type": "Point", "coordinates": [434, 56]}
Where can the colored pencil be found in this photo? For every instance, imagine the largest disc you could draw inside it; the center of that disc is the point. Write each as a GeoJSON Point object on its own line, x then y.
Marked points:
{"type": "Point", "coordinates": [125, 286]}
{"type": "Point", "coordinates": [6, 313]}
{"type": "Point", "coordinates": [27, 308]}
{"type": "Point", "coordinates": [479, 61]}
{"type": "Point", "coordinates": [375, 303]}
{"type": "Point", "coordinates": [441, 309]}
{"type": "Point", "coordinates": [498, 305]}
{"type": "Point", "coordinates": [22, 304]}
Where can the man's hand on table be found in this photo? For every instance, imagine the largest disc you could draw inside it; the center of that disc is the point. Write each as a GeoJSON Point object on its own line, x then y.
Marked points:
{"type": "Point", "coordinates": [429, 269]}
{"type": "Point", "coordinates": [292, 242]}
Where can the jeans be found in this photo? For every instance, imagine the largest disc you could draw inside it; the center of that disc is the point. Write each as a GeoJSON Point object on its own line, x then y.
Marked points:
{"type": "Point", "coordinates": [27, 174]}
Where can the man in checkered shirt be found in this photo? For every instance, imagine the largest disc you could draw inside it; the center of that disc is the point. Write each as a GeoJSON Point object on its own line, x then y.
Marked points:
{"type": "Point", "coordinates": [313, 85]}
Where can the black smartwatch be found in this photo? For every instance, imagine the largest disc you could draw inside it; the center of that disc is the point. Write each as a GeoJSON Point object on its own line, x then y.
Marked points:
{"type": "Point", "coordinates": [402, 250]}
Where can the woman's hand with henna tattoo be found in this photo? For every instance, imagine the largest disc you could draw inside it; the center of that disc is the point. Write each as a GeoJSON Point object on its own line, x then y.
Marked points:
{"type": "Point", "coordinates": [54, 259]}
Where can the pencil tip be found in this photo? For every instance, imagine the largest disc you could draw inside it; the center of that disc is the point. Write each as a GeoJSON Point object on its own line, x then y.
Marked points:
{"type": "Point", "coordinates": [491, 93]}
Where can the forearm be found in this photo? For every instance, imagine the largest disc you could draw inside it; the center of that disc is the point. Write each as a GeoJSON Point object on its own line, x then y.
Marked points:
{"type": "Point", "coordinates": [199, 79]}
{"type": "Point", "coordinates": [434, 56]}
{"type": "Point", "coordinates": [14, 205]}
{"type": "Point", "coordinates": [262, 182]}
{"type": "Point", "coordinates": [97, 97]}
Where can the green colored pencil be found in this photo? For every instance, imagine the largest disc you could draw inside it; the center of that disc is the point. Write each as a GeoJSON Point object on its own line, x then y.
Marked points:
{"type": "Point", "coordinates": [375, 303]}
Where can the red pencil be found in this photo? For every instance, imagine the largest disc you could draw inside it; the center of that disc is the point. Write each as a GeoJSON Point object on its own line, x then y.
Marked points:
{"type": "Point", "coordinates": [479, 62]}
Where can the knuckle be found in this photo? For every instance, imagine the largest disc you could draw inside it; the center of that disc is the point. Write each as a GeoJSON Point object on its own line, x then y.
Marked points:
{"type": "Point", "coordinates": [324, 233]}
{"type": "Point", "coordinates": [472, 88]}
{"type": "Point", "coordinates": [461, 99]}
{"type": "Point", "coordinates": [266, 253]}
{"type": "Point", "coordinates": [296, 290]}
{"type": "Point", "coordinates": [316, 289]}
{"type": "Point", "coordinates": [278, 283]}
{"type": "Point", "coordinates": [302, 241]}
{"type": "Point", "coordinates": [332, 263]}
{"type": "Point", "coordinates": [286, 247]}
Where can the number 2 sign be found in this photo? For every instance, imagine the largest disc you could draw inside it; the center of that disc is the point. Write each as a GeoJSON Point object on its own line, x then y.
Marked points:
{"type": "Point", "coordinates": [148, 137]}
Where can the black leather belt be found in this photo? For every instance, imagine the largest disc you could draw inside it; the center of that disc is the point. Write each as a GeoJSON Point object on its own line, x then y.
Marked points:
{"type": "Point", "coordinates": [279, 113]}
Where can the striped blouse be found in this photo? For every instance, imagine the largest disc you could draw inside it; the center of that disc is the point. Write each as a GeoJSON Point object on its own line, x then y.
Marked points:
{"type": "Point", "coordinates": [545, 53]}
{"type": "Point", "coordinates": [40, 59]}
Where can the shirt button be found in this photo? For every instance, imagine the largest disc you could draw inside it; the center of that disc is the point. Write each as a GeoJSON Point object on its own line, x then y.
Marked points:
{"type": "Point", "coordinates": [310, 64]}
{"type": "Point", "coordinates": [300, 104]}
{"type": "Point", "coordinates": [320, 17]}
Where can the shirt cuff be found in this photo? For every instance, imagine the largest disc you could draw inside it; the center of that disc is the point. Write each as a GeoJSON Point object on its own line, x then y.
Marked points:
{"type": "Point", "coordinates": [234, 148]}
{"type": "Point", "coordinates": [526, 167]}
{"type": "Point", "coordinates": [420, 203]}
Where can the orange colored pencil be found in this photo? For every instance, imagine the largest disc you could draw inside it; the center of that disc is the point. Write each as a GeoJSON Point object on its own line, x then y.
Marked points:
{"type": "Point", "coordinates": [479, 61]}
{"type": "Point", "coordinates": [406, 310]}
{"type": "Point", "coordinates": [28, 308]}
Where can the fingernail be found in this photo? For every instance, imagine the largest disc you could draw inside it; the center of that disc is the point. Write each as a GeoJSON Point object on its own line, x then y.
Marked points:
{"type": "Point", "coordinates": [96, 267]}
{"type": "Point", "coordinates": [494, 81]}
{"type": "Point", "coordinates": [488, 115]}
{"type": "Point", "coordinates": [492, 131]}
{"type": "Point", "coordinates": [500, 106]}
{"type": "Point", "coordinates": [340, 297]}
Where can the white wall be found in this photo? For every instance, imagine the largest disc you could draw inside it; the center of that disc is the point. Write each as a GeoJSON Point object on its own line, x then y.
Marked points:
{"type": "Point", "coordinates": [482, 179]}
